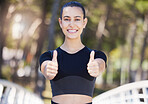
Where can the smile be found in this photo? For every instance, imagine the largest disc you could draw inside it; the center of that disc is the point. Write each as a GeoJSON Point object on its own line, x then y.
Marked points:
{"type": "Point", "coordinates": [72, 30]}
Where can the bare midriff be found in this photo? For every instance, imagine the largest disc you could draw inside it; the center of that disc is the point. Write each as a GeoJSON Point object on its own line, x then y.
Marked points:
{"type": "Point", "coordinates": [72, 99]}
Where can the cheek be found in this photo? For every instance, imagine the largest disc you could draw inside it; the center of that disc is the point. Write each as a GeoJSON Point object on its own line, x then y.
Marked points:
{"type": "Point", "coordinates": [80, 25]}
{"type": "Point", "coordinates": [65, 25]}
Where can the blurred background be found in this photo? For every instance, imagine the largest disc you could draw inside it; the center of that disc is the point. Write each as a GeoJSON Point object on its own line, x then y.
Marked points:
{"type": "Point", "coordinates": [30, 27]}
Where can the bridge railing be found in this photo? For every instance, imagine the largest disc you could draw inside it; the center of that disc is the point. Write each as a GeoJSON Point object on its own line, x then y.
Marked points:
{"type": "Point", "coordinates": [11, 93]}
{"type": "Point", "coordinates": [132, 93]}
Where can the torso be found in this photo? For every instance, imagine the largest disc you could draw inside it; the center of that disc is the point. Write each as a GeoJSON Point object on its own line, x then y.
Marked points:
{"type": "Point", "coordinates": [76, 75]}
{"type": "Point", "coordinates": [72, 71]}
{"type": "Point", "coordinates": [72, 99]}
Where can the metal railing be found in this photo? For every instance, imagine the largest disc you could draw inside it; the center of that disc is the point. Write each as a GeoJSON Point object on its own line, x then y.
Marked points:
{"type": "Point", "coordinates": [11, 93]}
{"type": "Point", "coordinates": [132, 93]}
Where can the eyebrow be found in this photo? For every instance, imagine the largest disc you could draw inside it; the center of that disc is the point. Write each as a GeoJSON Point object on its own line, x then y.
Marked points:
{"type": "Point", "coordinates": [74, 17]}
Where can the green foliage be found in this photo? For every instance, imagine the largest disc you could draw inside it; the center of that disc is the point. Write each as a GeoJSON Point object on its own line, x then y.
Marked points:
{"type": "Point", "coordinates": [6, 72]}
{"type": "Point", "coordinates": [145, 65]}
{"type": "Point", "coordinates": [89, 38]}
{"type": "Point", "coordinates": [124, 5]}
{"type": "Point", "coordinates": [58, 41]}
{"type": "Point", "coordinates": [142, 5]}
{"type": "Point", "coordinates": [10, 42]}
{"type": "Point", "coordinates": [135, 64]}
{"type": "Point", "coordinates": [98, 91]}
{"type": "Point", "coordinates": [13, 1]}
{"type": "Point", "coordinates": [116, 76]}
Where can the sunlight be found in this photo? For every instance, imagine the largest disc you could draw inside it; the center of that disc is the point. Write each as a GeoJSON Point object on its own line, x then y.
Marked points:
{"type": "Point", "coordinates": [8, 54]}
{"type": "Point", "coordinates": [17, 27]}
{"type": "Point", "coordinates": [34, 26]}
{"type": "Point", "coordinates": [21, 72]}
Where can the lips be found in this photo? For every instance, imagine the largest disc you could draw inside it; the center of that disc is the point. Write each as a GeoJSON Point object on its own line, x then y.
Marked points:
{"type": "Point", "coordinates": [72, 30]}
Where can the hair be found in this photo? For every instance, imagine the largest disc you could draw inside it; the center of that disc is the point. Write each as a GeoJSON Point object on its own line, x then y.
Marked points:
{"type": "Point", "coordinates": [73, 4]}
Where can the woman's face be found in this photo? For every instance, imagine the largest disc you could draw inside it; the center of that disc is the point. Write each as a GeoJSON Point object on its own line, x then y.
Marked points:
{"type": "Point", "coordinates": [72, 22]}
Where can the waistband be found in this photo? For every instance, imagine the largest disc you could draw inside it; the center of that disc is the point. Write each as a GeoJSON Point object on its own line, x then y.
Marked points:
{"type": "Point", "coordinates": [52, 102]}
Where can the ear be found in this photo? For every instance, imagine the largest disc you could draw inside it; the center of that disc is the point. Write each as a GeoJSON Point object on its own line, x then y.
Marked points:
{"type": "Point", "coordinates": [60, 22]}
{"type": "Point", "coordinates": [85, 22]}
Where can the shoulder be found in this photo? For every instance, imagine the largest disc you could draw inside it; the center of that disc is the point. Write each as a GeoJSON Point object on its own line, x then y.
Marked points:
{"type": "Point", "coordinates": [46, 56]}
{"type": "Point", "coordinates": [99, 54]}
{"type": "Point", "coordinates": [47, 53]}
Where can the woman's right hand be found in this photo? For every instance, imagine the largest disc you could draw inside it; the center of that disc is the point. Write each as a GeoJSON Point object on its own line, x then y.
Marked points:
{"type": "Point", "coordinates": [51, 67]}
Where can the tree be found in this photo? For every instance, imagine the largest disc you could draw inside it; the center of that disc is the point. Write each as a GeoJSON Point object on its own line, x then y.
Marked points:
{"type": "Point", "coordinates": [40, 41]}
{"type": "Point", "coordinates": [139, 71]}
{"type": "Point", "coordinates": [4, 5]}
{"type": "Point", "coordinates": [43, 33]}
{"type": "Point", "coordinates": [51, 31]}
{"type": "Point", "coordinates": [132, 41]}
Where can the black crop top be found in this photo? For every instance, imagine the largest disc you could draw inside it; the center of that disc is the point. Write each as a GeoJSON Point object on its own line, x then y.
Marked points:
{"type": "Point", "coordinates": [72, 77]}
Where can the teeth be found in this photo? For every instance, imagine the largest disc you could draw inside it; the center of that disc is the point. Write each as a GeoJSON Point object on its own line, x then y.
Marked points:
{"type": "Point", "coordinates": [72, 31]}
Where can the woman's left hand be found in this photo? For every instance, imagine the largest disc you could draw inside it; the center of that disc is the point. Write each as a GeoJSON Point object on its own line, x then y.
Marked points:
{"type": "Point", "coordinates": [93, 66]}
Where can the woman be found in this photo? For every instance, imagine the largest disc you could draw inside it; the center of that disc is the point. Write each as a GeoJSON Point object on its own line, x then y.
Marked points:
{"type": "Point", "coordinates": [72, 68]}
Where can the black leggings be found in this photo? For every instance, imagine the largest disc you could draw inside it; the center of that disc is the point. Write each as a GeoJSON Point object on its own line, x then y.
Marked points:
{"type": "Point", "coordinates": [57, 103]}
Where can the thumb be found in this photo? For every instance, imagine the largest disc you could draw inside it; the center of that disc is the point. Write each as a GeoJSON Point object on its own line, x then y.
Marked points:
{"type": "Point", "coordinates": [92, 55]}
{"type": "Point", "coordinates": [54, 59]}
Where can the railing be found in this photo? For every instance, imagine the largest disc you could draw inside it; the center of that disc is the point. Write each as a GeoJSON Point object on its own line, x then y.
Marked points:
{"type": "Point", "coordinates": [11, 93]}
{"type": "Point", "coordinates": [133, 93]}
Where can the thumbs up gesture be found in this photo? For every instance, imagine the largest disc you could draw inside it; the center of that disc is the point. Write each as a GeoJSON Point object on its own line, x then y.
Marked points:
{"type": "Point", "coordinates": [51, 68]}
{"type": "Point", "coordinates": [93, 65]}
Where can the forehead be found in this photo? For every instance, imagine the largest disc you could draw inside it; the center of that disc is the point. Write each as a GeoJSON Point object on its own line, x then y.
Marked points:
{"type": "Point", "coordinates": [72, 11]}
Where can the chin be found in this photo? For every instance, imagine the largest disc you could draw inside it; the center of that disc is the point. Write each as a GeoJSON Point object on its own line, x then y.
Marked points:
{"type": "Point", "coordinates": [72, 37]}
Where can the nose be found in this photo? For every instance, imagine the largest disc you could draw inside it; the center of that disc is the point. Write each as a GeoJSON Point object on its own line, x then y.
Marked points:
{"type": "Point", "coordinates": [71, 24]}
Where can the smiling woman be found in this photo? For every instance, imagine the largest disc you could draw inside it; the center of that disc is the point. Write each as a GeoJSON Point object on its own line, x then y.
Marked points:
{"type": "Point", "coordinates": [72, 68]}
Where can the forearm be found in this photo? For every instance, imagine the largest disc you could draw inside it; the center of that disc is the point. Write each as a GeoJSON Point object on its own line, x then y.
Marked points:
{"type": "Point", "coordinates": [43, 65]}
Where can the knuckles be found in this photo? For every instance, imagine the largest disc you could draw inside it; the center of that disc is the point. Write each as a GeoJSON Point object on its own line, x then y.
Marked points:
{"type": "Point", "coordinates": [51, 69]}
{"type": "Point", "coordinates": [93, 63]}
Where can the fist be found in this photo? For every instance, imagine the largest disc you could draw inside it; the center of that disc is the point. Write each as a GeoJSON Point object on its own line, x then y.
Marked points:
{"type": "Point", "coordinates": [51, 68]}
{"type": "Point", "coordinates": [93, 66]}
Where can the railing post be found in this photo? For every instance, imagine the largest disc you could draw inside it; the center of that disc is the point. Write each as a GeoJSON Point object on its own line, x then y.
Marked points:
{"type": "Point", "coordinates": [11, 93]}
{"type": "Point", "coordinates": [132, 93]}
{"type": "Point", "coordinates": [1, 91]}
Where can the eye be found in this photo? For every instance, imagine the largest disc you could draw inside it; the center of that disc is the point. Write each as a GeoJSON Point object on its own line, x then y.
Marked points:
{"type": "Point", "coordinates": [77, 19]}
{"type": "Point", "coordinates": [66, 19]}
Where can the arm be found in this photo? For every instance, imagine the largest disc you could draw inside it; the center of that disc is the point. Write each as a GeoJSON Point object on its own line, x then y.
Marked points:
{"type": "Point", "coordinates": [96, 66]}
{"type": "Point", "coordinates": [49, 68]}
{"type": "Point", "coordinates": [101, 64]}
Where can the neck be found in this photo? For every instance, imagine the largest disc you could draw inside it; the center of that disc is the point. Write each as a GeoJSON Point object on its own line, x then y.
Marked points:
{"type": "Point", "coordinates": [72, 45]}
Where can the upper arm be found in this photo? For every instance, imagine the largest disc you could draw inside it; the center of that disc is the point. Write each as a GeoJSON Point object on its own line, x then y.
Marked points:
{"type": "Point", "coordinates": [101, 57]}
{"type": "Point", "coordinates": [100, 54]}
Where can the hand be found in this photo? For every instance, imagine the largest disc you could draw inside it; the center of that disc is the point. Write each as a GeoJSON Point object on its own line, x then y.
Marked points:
{"type": "Point", "coordinates": [93, 66]}
{"type": "Point", "coordinates": [51, 68]}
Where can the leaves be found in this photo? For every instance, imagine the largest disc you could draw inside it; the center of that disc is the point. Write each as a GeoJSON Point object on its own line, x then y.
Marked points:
{"type": "Point", "coordinates": [142, 5]}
